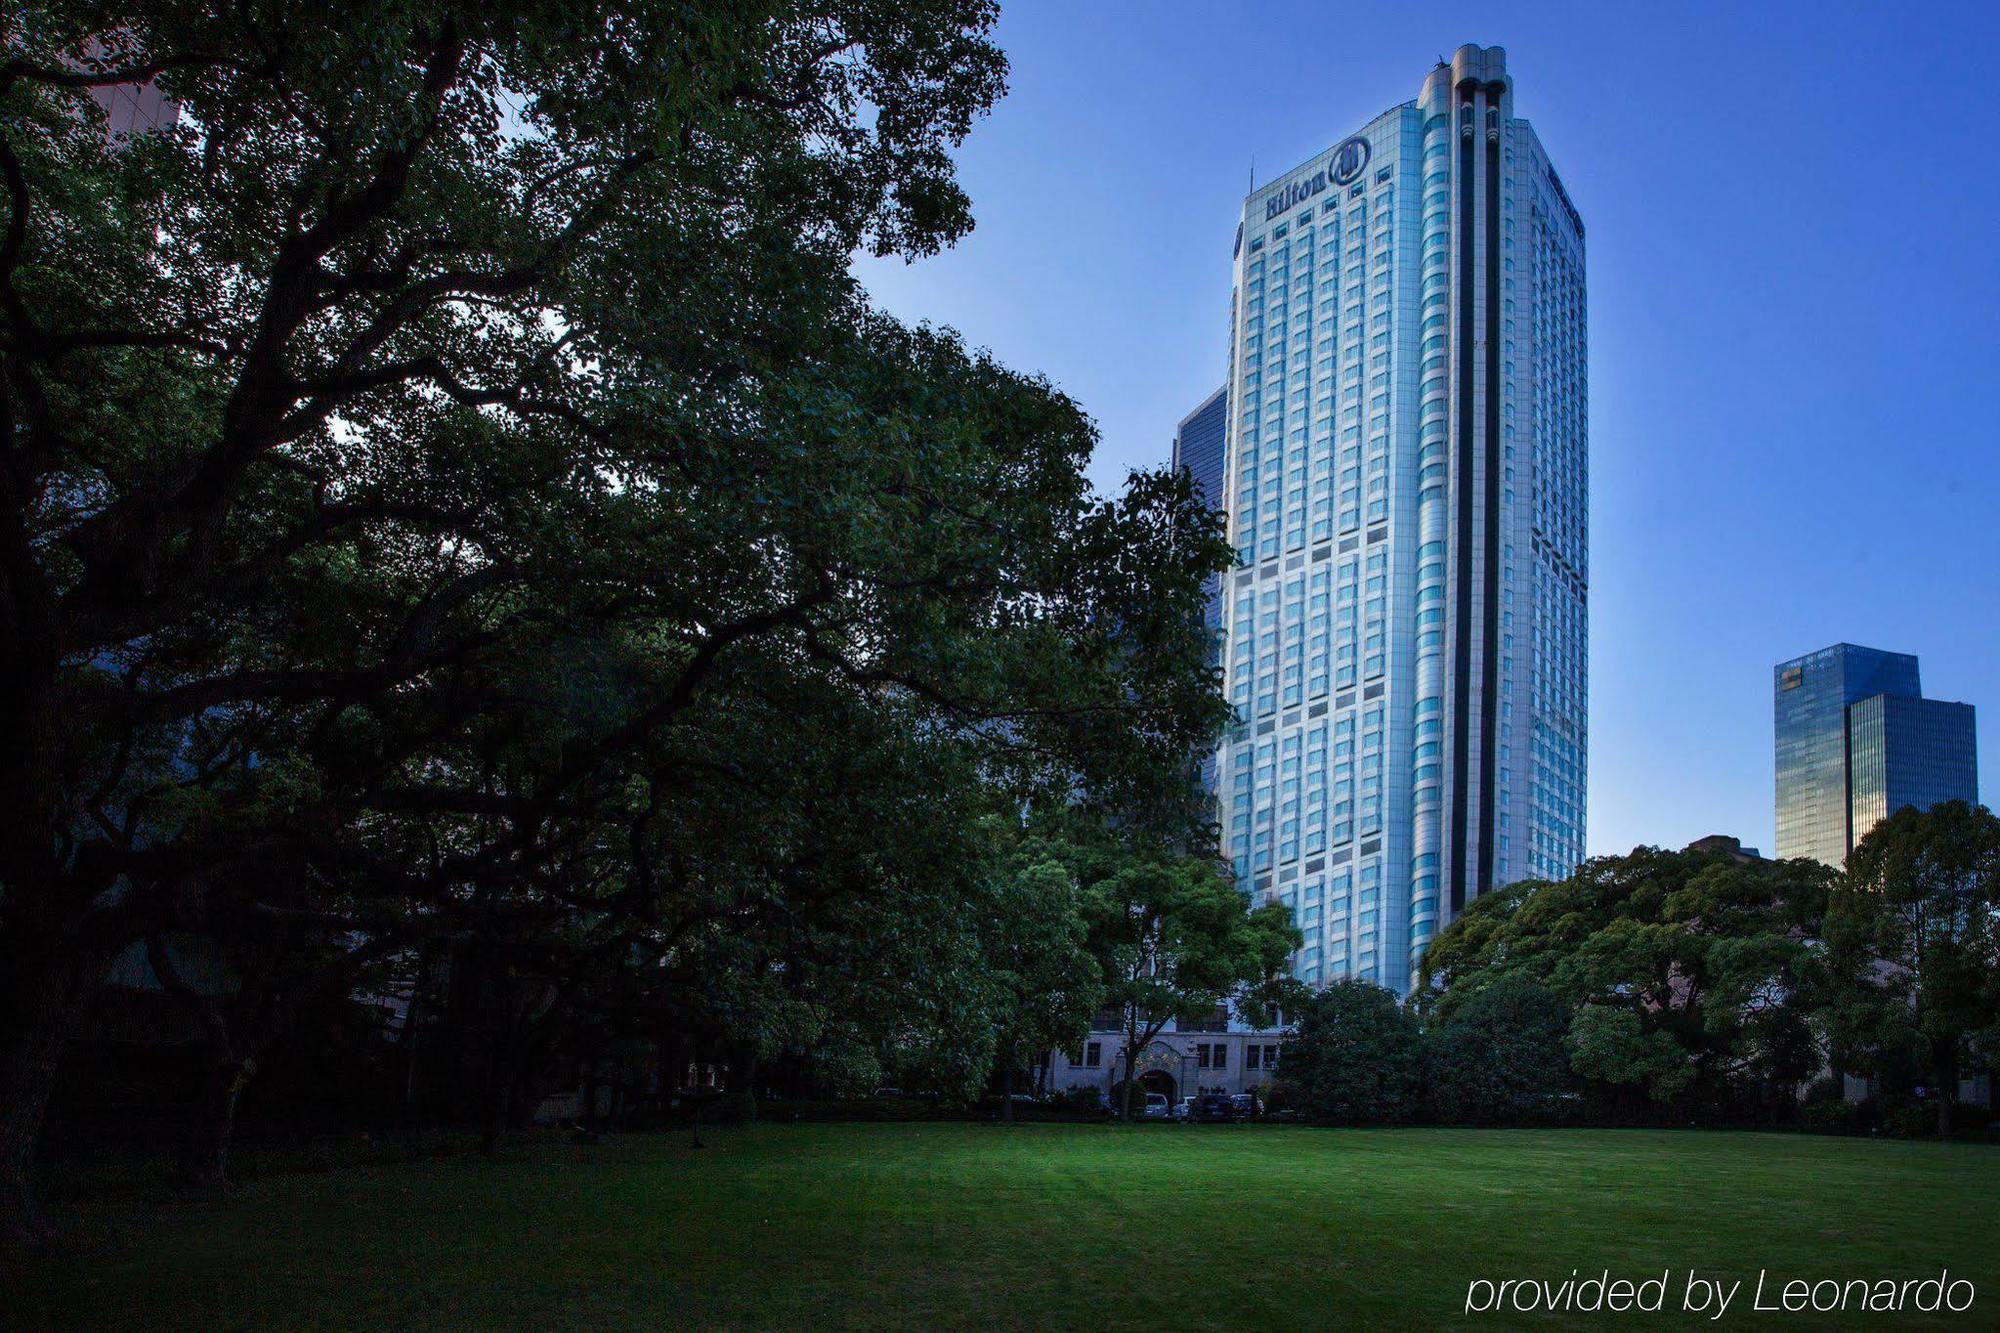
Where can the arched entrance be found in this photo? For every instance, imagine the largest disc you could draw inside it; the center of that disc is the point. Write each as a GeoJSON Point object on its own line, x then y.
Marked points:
{"type": "Point", "coordinates": [1153, 1071]}
{"type": "Point", "coordinates": [1150, 1080]}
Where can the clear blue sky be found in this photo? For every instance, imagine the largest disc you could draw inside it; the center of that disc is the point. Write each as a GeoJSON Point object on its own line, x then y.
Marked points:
{"type": "Point", "coordinates": [1794, 241]}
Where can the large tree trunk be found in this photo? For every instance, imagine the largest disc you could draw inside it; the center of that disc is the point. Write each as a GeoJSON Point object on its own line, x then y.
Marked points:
{"type": "Point", "coordinates": [205, 1164]}
{"type": "Point", "coordinates": [1131, 1062]}
{"type": "Point", "coordinates": [41, 1012]}
{"type": "Point", "coordinates": [44, 975]}
{"type": "Point", "coordinates": [232, 1059]}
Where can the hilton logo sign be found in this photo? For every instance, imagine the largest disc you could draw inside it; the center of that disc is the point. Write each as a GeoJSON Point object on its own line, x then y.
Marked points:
{"type": "Point", "coordinates": [1349, 161]}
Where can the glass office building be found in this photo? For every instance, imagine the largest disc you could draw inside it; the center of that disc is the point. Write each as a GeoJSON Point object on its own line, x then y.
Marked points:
{"type": "Point", "coordinates": [1199, 443]}
{"type": "Point", "coordinates": [1855, 742]}
{"type": "Point", "coordinates": [1198, 451]}
{"type": "Point", "coordinates": [1406, 483]}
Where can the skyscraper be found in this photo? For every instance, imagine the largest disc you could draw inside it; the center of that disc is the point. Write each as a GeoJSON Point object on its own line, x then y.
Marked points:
{"type": "Point", "coordinates": [1406, 483]}
{"type": "Point", "coordinates": [1856, 742]}
{"type": "Point", "coordinates": [1198, 451]}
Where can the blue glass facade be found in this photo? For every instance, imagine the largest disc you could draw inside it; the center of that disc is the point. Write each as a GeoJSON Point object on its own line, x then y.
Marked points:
{"type": "Point", "coordinates": [1855, 742]}
{"type": "Point", "coordinates": [1407, 488]}
{"type": "Point", "coordinates": [1199, 443]}
{"type": "Point", "coordinates": [1904, 751]}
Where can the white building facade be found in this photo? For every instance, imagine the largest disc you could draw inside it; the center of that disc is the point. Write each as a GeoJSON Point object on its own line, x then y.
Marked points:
{"type": "Point", "coordinates": [1406, 483]}
{"type": "Point", "coordinates": [1221, 1054]}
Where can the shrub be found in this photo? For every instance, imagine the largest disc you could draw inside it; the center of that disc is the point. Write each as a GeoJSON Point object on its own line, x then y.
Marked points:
{"type": "Point", "coordinates": [1499, 1058]}
{"type": "Point", "coordinates": [1281, 1094]}
{"type": "Point", "coordinates": [1840, 1117]}
{"type": "Point", "coordinates": [1355, 1056]}
{"type": "Point", "coordinates": [1910, 1119]}
{"type": "Point", "coordinates": [862, 1109]}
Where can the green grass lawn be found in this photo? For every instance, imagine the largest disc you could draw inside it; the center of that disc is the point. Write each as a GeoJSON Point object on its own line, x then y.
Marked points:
{"type": "Point", "coordinates": [954, 1225]}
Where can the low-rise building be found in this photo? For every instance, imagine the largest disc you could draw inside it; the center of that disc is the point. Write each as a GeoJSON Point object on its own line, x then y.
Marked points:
{"type": "Point", "coordinates": [1215, 1054]}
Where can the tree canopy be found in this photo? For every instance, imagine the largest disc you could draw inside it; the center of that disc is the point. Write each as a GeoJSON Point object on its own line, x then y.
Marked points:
{"type": "Point", "coordinates": [1354, 1055]}
{"type": "Point", "coordinates": [1913, 947]}
{"type": "Point", "coordinates": [1499, 1056]}
{"type": "Point", "coordinates": [454, 489]}
{"type": "Point", "coordinates": [1173, 937]}
{"type": "Point", "coordinates": [1708, 953]}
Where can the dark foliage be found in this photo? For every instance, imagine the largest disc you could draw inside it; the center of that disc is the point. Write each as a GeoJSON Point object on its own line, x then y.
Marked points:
{"type": "Point", "coordinates": [1354, 1056]}
{"type": "Point", "coordinates": [1499, 1057]}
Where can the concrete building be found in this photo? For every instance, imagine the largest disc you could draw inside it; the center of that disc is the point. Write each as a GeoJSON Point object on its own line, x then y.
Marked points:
{"type": "Point", "coordinates": [1856, 741]}
{"type": "Point", "coordinates": [1722, 844]}
{"type": "Point", "coordinates": [1213, 1055]}
{"type": "Point", "coordinates": [1406, 480]}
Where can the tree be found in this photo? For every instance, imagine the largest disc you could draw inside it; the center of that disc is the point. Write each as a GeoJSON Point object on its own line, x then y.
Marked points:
{"type": "Point", "coordinates": [1710, 952]}
{"type": "Point", "coordinates": [1499, 1057]}
{"type": "Point", "coordinates": [1354, 1056]}
{"type": "Point", "coordinates": [1173, 937]}
{"type": "Point", "coordinates": [1913, 944]}
{"type": "Point", "coordinates": [280, 963]}
{"type": "Point", "coordinates": [1611, 1044]}
{"type": "Point", "coordinates": [454, 463]}
{"type": "Point", "coordinates": [1046, 982]}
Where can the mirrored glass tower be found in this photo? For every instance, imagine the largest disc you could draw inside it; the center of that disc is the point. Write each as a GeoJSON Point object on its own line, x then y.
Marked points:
{"type": "Point", "coordinates": [1856, 742]}
{"type": "Point", "coordinates": [1406, 483]}
{"type": "Point", "coordinates": [1198, 451]}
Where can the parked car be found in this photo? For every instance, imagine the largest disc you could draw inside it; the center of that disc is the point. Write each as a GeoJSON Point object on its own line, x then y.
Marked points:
{"type": "Point", "coordinates": [1184, 1109]}
{"type": "Point", "coordinates": [1245, 1104]}
{"type": "Point", "coordinates": [1156, 1106]}
{"type": "Point", "coordinates": [1085, 1101]}
{"type": "Point", "coordinates": [1216, 1108]}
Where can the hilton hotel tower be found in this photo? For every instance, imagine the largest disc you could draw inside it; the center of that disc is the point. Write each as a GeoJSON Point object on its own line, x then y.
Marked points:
{"type": "Point", "coordinates": [1406, 480]}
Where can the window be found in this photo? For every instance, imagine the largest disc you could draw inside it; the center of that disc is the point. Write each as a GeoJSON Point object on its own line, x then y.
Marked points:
{"type": "Point", "coordinates": [1201, 1052]}
{"type": "Point", "coordinates": [1221, 1056]}
{"type": "Point", "coordinates": [1093, 1054]}
{"type": "Point", "coordinates": [1250, 1058]}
